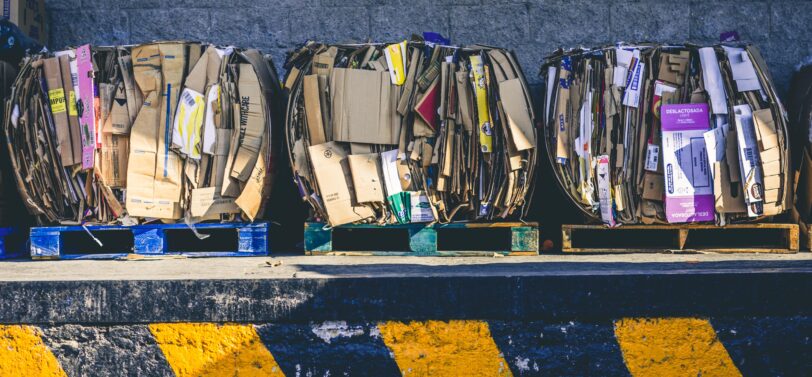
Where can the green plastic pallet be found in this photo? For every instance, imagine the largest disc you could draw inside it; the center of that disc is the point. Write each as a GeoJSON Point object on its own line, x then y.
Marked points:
{"type": "Point", "coordinates": [505, 238]}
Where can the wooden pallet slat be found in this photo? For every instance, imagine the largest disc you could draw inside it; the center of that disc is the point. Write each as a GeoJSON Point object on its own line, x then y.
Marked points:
{"type": "Point", "coordinates": [733, 238]}
{"type": "Point", "coordinates": [423, 239]}
{"type": "Point", "coordinates": [248, 239]}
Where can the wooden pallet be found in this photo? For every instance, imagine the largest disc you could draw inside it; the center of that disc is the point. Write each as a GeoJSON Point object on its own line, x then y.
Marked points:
{"type": "Point", "coordinates": [139, 241]}
{"type": "Point", "coordinates": [12, 243]}
{"type": "Point", "coordinates": [456, 239]}
{"type": "Point", "coordinates": [736, 238]}
{"type": "Point", "coordinates": [805, 233]}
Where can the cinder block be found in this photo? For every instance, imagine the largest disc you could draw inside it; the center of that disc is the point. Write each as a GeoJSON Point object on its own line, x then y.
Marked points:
{"type": "Point", "coordinates": [339, 24]}
{"type": "Point", "coordinates": [506, 26]}
{"type": "Point", "coordinates": [62, 4]}
{"type": "Point", "coordinates": [571, 23]}
{"type": "Point", "coordinates": [651, 21]}
{"type": "Point", "coordinates": [391, 23]}
{"type": "Point", "coordinates": [750, 19]}
{"type": "Point", "coordinates": [246, 27]}
{"type": "Point", "coordinates": [98, 27]}
{"type": "Point", "coordinates": [790, 21]}
{"type": "Point", "coordinates": [151, 24]}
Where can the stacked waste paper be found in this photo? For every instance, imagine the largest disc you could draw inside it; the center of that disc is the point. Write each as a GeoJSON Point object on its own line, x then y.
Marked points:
{"type": "Point", "coordinates": [410, 132]}
{"type": "Point", "coordinates": [164, 130]}
{"type": "Point", "coordinates": [667, 133]}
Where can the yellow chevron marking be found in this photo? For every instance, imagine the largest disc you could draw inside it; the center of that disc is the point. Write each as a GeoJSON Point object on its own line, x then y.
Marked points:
{"type": "Point", "coordinates": [22, 353]}
{"type": "Point", "coordinates": [208, 349]}
{"type": "Point", "coordinates": [435, 348]}
{"type": "Point", "coordinates": [672, 347]}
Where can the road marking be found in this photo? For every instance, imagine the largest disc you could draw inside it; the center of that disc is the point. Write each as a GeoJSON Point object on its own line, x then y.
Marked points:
{"type": "Point", "coordinates": [672, 347]}
{"type": "Point", "coordinates": [437, 348]}
{"type": "Point", "coordinates": [22, 353]}
{"type": "Point", "coordinates": [208, 349]}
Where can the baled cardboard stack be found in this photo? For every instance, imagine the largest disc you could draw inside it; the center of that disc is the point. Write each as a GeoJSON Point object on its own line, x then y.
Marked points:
{"type": "Point", "coordinates": [410, 132]}
{"type": "Point", "coordinates": [164, 131]}
{"type": "Point", "coordinates": [667, 134]}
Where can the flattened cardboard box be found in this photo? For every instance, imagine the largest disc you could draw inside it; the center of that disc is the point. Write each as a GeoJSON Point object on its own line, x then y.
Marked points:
{"type": "Point", "coordinates": [362, 107]}
{"type": "Point", "coordinates": [153, 170]}
{"type": "Point", "coordinates": [333, 176]}
{"type": "Point", "coordinates": [69, 153]}
{"type": "Point", "coordinates": [252, 123]}
{"type": "Point", "coordinates": [366, 177]}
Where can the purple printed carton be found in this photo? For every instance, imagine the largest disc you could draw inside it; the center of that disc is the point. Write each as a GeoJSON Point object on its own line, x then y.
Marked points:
{"type": "Point", "coordinates": [688, 182]}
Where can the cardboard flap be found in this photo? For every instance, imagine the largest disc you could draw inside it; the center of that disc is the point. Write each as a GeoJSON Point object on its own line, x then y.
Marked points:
{"type": "Point", "coordinates": [765, 129]}
{"type": "Point", "coordinates": [653, 186]}
{"type": "Point", "coordinates": [518, 116]}
{"type": "Point", "coordinates": [333, 176]}
{"type": "Point", "coordinates": [464, 101]}
{"type": "Point", "coordinates": [361, 107]}
{"type": "Point", "coordinates": [196, 80]}
{"type": "Point", "coordinates": [323, 63]}
{"type": "Point", "coordinates": [207, 202]}
{"type": "Point", "coordinates": [426, 107]}
{"type": "Point", "coordinates": [366, 178]}
{"type": "Point", "coordinates": [252, 123]}
{"type": "Point", "coordinates": [70, 154]}
{"type": "Point", "coordinates": [315, 126]}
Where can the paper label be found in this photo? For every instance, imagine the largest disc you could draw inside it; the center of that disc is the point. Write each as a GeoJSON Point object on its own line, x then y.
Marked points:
{"type": "Point", "coordinates": [652, 157]}
{"type": "Point", "coordinates": [421, 208]}
{"type": "Point", "coordinates": [186, 133]}
{"type": "Point", "coordinates": [391, 178]}
{"type": "Point", "coordinates": [751, 172]}
{"type": "Point", "coordinates": [72, 104]}
{"type": "Point", "coordinates": [619, 76]}
{"type": "Point", "coordinates": [481, 95]}
{"type": "Point", "coordinates": [712, 78]}
{"type": "Point", "coordinates": [715, 143]}
{"type": "Point", "coordinates": [632, 97]}
{"type": "Point", "coordinates": [57, 98]}
{"type": "Point", "coordinates": [604, 190]}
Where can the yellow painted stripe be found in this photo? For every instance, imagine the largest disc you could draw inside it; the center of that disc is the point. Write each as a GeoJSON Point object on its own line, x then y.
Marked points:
{"type": "Point", "coordinates": [207, 349]}
{"type": "Point", "coordinates": [672, 347]}
{"type": "Point", "coordinates": [435, 348]}
{"type": "Point", "coordinates": [22, 353]}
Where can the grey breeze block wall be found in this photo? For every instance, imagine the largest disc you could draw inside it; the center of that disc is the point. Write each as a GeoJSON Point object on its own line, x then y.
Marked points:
{"type": "Point", "coordinates": [781, 28]}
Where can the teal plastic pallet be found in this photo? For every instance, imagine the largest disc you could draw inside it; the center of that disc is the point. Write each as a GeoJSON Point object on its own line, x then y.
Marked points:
{"type": "Point", "coordinates": [513, 239]}
{"type": "Point", "coordinates": [248, 239]}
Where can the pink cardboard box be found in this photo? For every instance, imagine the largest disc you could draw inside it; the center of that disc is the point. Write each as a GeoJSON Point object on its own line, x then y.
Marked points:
{"type": "Point", "coordinates": [688, 182]}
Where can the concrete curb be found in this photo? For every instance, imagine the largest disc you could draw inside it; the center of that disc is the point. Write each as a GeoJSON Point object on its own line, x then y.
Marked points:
{"type": "Point", "coordinates": [628, 346]}
{"type": "Point", "coordinates": [725, 318]}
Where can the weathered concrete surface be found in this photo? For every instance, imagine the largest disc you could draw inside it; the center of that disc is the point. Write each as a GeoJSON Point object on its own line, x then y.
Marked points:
{"type": "Point", "coordinates": [106, 350]}
{"type": "Point", "coordinates": [534, 28]}
{"type": "Point", "coordinates": [316, 316]}
{"type": "Point", "coordinates": [299, 289]}
{"type": "Point", "coordinates": [689, 346]}
{"type": "Point", "coordinates": [301, 267]}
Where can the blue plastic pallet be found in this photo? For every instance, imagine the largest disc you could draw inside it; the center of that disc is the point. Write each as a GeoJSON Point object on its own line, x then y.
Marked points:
{"type": "Point", "coordinates": [11, 243]}
{"type": "Point", "coordinates": [147, 240]}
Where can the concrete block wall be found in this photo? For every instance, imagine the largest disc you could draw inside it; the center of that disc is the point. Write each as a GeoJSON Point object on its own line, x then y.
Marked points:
{"type": "Point", "coordinates": [782, 28]}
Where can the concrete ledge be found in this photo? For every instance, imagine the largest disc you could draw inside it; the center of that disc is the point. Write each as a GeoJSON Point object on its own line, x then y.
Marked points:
{"type": "Point", "coordinates": [556, 315]}
{"type": "Point", "coordinates": [376, 289]}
